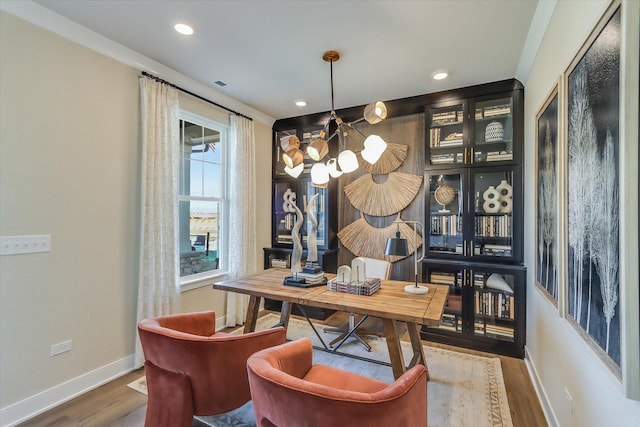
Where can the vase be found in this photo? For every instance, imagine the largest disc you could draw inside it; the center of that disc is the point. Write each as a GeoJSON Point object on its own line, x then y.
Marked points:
{"type": "Point", "coordinates": [505, 189]}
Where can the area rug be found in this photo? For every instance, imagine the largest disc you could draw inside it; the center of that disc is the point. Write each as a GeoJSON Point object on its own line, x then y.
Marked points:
{"type": "Point", "coordinates": [464, 389]}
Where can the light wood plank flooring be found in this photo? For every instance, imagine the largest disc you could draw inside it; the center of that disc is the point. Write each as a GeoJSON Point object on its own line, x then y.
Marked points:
{"type": "Point", "coordinates": [116, 405]}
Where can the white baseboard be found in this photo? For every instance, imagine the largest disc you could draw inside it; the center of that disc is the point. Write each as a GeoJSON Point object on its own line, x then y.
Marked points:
{"type": "Point", "coordinates": [549, 415]}
{"type": "Point", "coordinates": [48, 399]}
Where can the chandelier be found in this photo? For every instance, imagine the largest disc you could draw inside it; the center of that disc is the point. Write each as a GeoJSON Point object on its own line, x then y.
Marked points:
{"type": "Point", "coordinates": [318, 149]}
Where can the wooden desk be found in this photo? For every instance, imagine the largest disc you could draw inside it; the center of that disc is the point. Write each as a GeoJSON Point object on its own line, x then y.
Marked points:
{"type": "Point", "coordinates": [390, 303]}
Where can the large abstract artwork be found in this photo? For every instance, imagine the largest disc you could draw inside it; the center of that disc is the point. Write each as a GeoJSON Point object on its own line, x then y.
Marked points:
{"type": "Point", "coordinates": [593, 135]}
{"type": "Point", "coordinates": [547, 196]}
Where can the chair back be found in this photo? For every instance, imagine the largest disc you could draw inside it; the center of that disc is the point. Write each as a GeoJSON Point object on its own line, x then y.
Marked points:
{"type": "Point", "coordinates": [288, 390]}
{"type": "Point", "coordinates": [377, 268]}
{"type": "Point", "coordinates": [187, 346]}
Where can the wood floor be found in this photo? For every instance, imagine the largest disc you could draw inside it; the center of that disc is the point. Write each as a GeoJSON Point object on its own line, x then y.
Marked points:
{"type": "Point", "coordinates": [116, 405]}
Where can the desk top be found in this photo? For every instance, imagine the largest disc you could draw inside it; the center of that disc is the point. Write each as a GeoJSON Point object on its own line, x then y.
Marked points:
{"type": "Point", "coordinates": [390, 301]}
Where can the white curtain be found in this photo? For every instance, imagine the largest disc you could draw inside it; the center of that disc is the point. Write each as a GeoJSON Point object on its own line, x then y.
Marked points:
{"type": "Point", "coordinates": [242, 213]}
{"type": "Point", "coordinates": [158, 293]}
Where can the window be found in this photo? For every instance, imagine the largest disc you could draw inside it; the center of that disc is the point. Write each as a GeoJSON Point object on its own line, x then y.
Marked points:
{"type": "Point", "coordinates": [202, 197]}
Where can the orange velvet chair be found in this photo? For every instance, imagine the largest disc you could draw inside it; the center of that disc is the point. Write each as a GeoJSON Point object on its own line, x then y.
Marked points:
{"type": "Point", "coordinates": [289, 391]}
{"type": "Point", "coordinates": [192, 370]}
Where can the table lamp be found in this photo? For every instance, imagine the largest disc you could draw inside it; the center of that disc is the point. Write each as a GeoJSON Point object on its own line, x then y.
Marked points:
{"type": "Point", "coordinates": [398, 246]}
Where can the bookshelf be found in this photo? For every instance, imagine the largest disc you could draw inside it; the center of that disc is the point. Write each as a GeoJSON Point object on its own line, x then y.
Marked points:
{"type": "Point", "coordinates": [474, 216]}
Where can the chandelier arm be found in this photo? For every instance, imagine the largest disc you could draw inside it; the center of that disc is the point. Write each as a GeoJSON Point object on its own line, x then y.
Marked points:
{"type": "Point", "coordinates": [357, 130]}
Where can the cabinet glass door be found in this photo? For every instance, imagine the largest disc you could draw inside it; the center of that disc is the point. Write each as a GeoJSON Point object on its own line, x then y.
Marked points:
{"type": "Point", "coordinates": [494, 304]}
{"type": "Point", "coordinates": [318, 213]}
{"type": "Point", "coordinates": [452, 317]}
{"type": "Point", "coordinates": [493, 214]}
{"type": "Point", "coordinates": [446, 135]}
{"type": "Point", "coordinates": [492, 131]}
{"type": "Point", "coordinates": [445, 214]}
{"type": "Point", "coordinates": [284, 217]}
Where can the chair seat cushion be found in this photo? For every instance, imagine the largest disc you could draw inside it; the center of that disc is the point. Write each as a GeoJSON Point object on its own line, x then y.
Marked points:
{"type": "Point", "coordinates": [343, 380]}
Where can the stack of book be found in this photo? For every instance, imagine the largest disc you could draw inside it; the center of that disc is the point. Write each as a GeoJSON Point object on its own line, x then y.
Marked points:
{"type": "Point", "coordinates": [369, 287]}
{"type": "Point", "coordinates": [497, 110]}
{"type": "Point", "coordinates": [310, 278]}
{"type": "Point", "coordinates": [496, 156]}
{"type": "Point", "coordinates": [446, 117]}
{"type": "Point", "coordinates": [278, 262]}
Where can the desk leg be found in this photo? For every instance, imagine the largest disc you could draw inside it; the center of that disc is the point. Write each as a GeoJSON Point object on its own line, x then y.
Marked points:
{"type": "Point", "coordinates": [252, 314]}
{"type": "Point", "coordinates": [418, 349]}
{"type": "Point", "coordinates": [395, 351]}
{"type": "Point", "coordinates": [285, 313]}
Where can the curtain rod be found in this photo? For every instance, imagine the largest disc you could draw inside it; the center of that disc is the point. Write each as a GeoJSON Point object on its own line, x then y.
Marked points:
{"type": "Point", "coordinates": [158, 79]}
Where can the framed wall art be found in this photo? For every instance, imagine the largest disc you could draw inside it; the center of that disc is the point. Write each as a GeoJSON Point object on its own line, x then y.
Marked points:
{"type": "Point", "coordinates": [547, 243]}
{"type": "Point", "coordinates": [599, 258]}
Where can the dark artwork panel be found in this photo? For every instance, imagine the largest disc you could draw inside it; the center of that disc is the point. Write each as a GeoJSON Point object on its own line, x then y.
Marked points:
{"type": "Point", "coordinates": [547, 265]}
{"type": "Point", "coordinates": [593, 184]}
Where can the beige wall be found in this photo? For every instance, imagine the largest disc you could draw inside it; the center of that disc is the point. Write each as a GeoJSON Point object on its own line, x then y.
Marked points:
{"type": "Point", "coordinates": [69, 167]}
{"type": "Point", "coordinates": [561, 358]}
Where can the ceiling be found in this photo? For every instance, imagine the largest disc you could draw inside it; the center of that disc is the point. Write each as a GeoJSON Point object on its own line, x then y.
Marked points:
{"type": "Point", "coordinates": [269, 52]}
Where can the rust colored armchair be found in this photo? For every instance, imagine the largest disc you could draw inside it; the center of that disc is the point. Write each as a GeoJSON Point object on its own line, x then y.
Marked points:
{"type": "Point", "coordinates": [289, 391]}
{"type": "Point", "coordinates": [192, 370]}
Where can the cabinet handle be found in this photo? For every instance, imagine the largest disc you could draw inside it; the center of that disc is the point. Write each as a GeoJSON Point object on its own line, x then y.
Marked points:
{"type": "Point", "coordinates": [472, 156]}
{"type": "Point", "coordinates": [464, 156]}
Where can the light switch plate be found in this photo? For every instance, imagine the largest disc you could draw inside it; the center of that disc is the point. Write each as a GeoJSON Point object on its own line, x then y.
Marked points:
{"type": "Point", "coordinates": [16, 245]}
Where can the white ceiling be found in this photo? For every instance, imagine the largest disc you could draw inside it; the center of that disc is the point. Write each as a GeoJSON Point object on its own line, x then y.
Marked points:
{"type": "Point", "coordinates": [269, 52]}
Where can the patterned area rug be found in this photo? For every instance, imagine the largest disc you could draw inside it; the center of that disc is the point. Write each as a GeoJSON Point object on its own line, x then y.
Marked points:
{"type": "Point", "coordinates": [464, 390]}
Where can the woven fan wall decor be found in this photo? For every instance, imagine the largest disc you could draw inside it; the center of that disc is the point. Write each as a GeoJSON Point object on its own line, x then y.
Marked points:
{"type": "Point", "coordinates": [391, 159]}
{"type": "Point", "coordinates": [388, 198]}
{"type": "Point", "coordinates": [363, 239]}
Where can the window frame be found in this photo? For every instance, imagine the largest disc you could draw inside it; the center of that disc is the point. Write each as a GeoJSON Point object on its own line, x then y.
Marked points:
{"type": "Point", "coordinates": [198, 280]}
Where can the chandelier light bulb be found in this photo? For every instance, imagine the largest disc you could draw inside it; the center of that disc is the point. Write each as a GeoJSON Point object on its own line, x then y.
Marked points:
{"type": "Point", "coordinates": [294, 172]}
{"type": "Point", "coordinates": [348, 161]}
{"type": "Point", "coordinates": [374, 146]}
{"type": "Point", "coordinates": [332, 165]}
{"type": "Point", "coordinates": [319, 175]}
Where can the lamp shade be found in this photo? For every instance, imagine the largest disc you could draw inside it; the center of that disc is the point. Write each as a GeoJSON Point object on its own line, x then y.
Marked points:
{"type": "Point", "coordinates": [293, 158]}
{"type": "Point", "coordinates": [374, 146]}
{"type": "Point", "coordinates": [294, 172]}
{"type": "Point", "coordinates": [397, 246]}
{"type": "Point", "coordinates": [348, 161]}
{"type": "Point", "coordinates": [318, 148]}
{"type": "Point", "coordinates": [319, 175]}
{"type": "Point", "coordinates": [375, 112]}
{"type": "Point", "coordinates": [332, 165]}
{"type": "Point", "coordinates": [289, 142]}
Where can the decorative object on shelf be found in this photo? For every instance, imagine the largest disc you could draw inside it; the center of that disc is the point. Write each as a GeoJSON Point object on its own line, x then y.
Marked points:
{"type": "Point", "coordinates": [391, 159]}
{"type": "Point", "coordinates": [386, 198]}
{"type": "Point", "coordinates": [491, 198]}
{"type": "Point", "coordinates": [444, 195]}
{"type": "Point", "coordinates": [296, 253]}
{"type": "Point", "coordinates": [398, 246]}
{"type": "Point", "coordinates": [506, 192]}
{"type": "Point", "coordinates": [289, 198]}
{"type": "Point", "coordinates": [363, 239]}
{"type": "Point", "coordinates": [497, 282]}
{"type": "Point", "coordinates": [373, 146]}
{"type": "Point", "coordinates": [312, 236]}
{"type": "Point", "coordinates": [494, 132]}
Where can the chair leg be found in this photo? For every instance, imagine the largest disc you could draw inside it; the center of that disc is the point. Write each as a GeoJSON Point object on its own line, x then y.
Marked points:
{"type": "Point", "coordinates": [357, 334]}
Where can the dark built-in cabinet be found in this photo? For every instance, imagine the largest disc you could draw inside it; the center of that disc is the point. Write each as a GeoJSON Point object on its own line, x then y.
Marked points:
{"type": "Point", "coordinates": [474, 218]}
{"type": "Point", "coordinates": [473, 208]}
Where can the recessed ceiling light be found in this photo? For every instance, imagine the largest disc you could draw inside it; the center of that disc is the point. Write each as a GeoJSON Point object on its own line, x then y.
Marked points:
{"type": "Point", "coordinates": [439, 75]}
{"type": "Point", "coordinates": [301, 103]}
{"type": "Point", "coordinates": [183, 29]}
